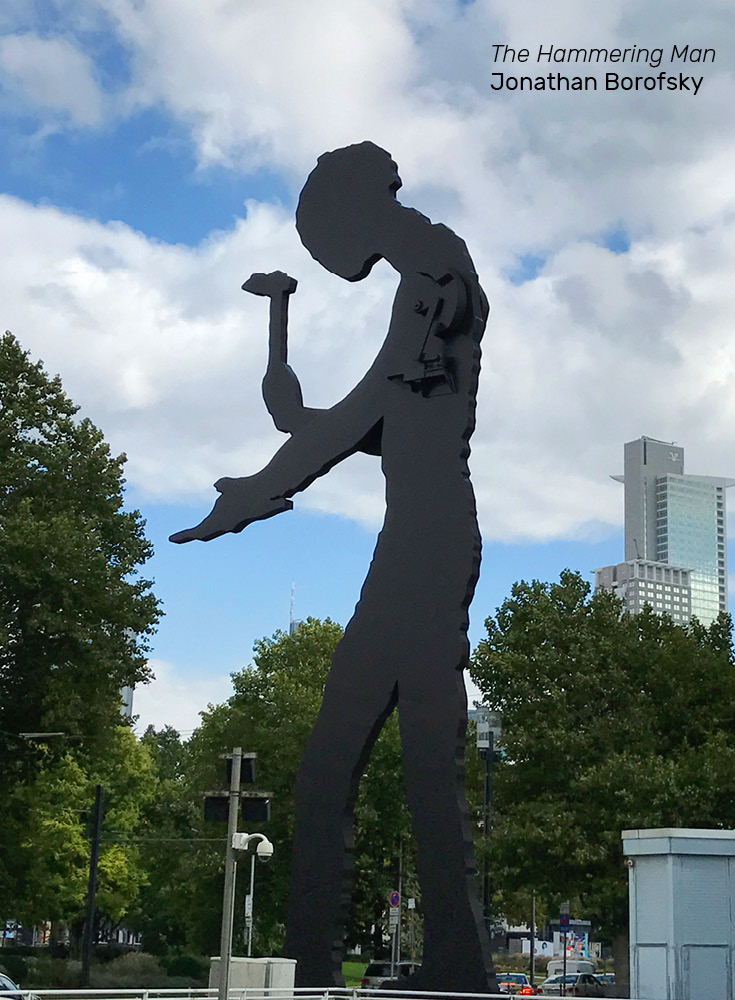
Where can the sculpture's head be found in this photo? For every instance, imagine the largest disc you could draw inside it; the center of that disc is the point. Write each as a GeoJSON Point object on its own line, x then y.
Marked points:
{"type": "Point", "coordinates": [344, 208]}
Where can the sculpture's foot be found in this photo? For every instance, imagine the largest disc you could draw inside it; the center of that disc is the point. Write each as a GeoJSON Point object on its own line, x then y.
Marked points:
{"type": "Point", "coordinates": [241, 503]}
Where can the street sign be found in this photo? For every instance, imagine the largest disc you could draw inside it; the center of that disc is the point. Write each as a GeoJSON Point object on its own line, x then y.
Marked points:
{"type": "Point", "coordinates": [395, 898]}
{"type": "Point", "coordinates": [411, 903]}
{"type": "Point", "coordinates": [249, 906]}
{"type": "Point", "coordinates": [394, 917]}
{"type": "Point", "coordinates": [564, 921]}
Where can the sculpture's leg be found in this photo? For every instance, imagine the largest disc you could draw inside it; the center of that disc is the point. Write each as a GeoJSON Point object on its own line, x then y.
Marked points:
{"type": "Point", "coordinates": [358, 698]}
{"type": "Point", "coordinates": [433, 716]}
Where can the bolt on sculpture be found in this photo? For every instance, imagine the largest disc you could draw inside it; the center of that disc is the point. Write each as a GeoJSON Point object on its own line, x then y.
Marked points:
{"type": "Point", "coordinates": [406, 644]}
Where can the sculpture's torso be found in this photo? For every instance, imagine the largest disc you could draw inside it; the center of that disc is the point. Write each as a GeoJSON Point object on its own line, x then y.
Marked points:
{"type": "Point", "coordinates": [430, 539]}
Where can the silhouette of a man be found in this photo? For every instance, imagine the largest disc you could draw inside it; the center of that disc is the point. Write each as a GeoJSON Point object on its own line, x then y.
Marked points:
{"type": "Point", "coordinates": [406, 643]}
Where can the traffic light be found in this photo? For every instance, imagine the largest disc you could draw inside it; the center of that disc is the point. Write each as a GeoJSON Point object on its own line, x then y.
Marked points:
{"type": "Point", "coordinates": [255, 806]}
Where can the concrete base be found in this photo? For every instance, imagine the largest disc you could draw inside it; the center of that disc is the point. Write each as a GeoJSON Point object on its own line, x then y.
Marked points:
{"type": "Point", "coordinates": [264, 975]}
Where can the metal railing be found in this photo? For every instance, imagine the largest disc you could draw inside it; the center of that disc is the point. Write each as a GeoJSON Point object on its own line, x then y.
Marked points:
{"type": "Point", "coordinates": [253, 993]}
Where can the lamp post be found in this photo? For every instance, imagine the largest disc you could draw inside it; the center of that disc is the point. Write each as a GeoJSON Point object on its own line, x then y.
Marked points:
{"type": "Point", "coordinates": [224, 805]}
{"type": "Point", "coordinates": [488, 740]}
{"type": "Point", "coordinates": [88, 939]}
{"type": "Point", "coordinates": [228, 903]}
{"type": "Point", "coordinates": [264, 851]}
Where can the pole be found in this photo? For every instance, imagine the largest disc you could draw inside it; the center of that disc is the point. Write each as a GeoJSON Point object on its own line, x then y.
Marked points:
{"type": "Point", "coordinates": [94, 858]}
{"type": "Point", "coordinates": [251, 915]}
{"type": "Point", "coordinates": [400, 899]}
{"type": "Point", "coordinates": [228, 902]}
{"type": "Point", "coordinates": [564, 966]}
{"type": "Point", "coordinates": [533, 936]}
{"type": "Point", "coordinates": [486, 831]}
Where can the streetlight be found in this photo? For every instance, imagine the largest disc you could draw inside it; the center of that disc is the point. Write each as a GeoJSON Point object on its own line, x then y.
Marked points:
{"type": "Point", "coordinates": [260, 803]}
{"type": "Point", "coordinates": [38, 736]}
{"type": "Point", "coordinates": [263, 851]}
{"type": "Point", "coordinates": [489, 727]}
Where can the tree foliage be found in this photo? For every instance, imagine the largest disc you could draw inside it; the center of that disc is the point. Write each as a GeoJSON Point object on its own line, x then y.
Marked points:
{"type": "Point", "coordinates": [74, 622]}
{"type": "Point", "coordinates": [167, 910]}
{"type": "Point", "coordinates": [610, 722]}
{"type": "Point", "coordinates": [74, 615]}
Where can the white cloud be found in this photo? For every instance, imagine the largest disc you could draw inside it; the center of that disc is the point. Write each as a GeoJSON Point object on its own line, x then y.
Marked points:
{"type": "Point", "coordinates": [53, 75]}
{"type": "Point", "coordinates": [173, 699]}
{"type": "Point", "coordinates": [166, 353]}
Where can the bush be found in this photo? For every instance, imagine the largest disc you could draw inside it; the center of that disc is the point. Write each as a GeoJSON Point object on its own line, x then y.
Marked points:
{"type": "Point", "coordinates": [190, 966]}
{"type": "Point", "coordinates": [104, 953]}
{"type": "Point", "coordinates": [135, 969]}
{"type": "Point", "coordinates": [138, 969]}
{"type": "Point", "coordinates": [17, 968]}
{"type": "Point", "coordinates": [48, 972]}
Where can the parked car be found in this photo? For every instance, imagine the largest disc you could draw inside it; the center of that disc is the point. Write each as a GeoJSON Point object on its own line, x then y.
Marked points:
{"type": "Point", "coordinates": [577, 984]}
{"type": "Point", "coordinates": [515, 982]}
{"type": "Point", "coordinates": [379, 972]}
{"type": "Point", "coordinates": [558, 967]}
{"type": "Point", "coordinates": [6, 983]}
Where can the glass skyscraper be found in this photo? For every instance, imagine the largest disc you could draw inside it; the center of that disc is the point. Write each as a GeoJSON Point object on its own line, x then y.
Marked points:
{"type": "Point", "coordinates": [674, 520]}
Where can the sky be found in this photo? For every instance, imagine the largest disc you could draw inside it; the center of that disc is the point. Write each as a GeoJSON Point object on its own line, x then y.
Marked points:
{"type": "Point", "coordinates": [153, 154]}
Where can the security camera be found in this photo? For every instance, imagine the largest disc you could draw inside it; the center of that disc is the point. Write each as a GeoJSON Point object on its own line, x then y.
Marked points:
{"type": "Point", "coordinates": [264, 850]}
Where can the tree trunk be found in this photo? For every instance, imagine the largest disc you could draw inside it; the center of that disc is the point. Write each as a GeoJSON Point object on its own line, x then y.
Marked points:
{"type": "Point", "coordinates": [621, 960]}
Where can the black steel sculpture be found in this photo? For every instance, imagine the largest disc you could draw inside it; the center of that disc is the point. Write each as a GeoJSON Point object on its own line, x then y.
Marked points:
{"type": "Point", "coordinates": [406, 644]}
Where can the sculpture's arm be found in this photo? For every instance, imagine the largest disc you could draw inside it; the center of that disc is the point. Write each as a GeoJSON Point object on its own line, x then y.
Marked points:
{"type": "Point", "coordinates": [315, 447]}
{"type": "Point", "coordinates": [281, 387]}
{"type": "Point", "coordinates": [283, 398]}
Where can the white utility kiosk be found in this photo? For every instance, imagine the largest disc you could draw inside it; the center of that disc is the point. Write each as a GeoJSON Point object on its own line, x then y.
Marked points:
{"type": "Point", "coordinates": [261, 977]}
{"type": "Point", "coordinates": [682, 913]}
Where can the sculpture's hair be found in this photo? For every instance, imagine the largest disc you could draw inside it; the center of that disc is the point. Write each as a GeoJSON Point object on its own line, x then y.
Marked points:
{"type": "Point", "coordinates": [339, 201]}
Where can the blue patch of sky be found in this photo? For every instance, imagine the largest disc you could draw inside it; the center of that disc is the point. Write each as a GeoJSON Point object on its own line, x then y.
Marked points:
{"type": "Point", "coordinates": [142, 172]}
{"type": "Point", "coordinates": [527, 267]}
{"type": "Point", "coordinates": [221, 596]}
{"type": "Point", "coordinates": [616, 240]}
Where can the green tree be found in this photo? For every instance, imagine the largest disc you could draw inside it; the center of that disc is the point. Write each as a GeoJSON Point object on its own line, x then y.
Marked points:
{"type": "Point", "coordinates": [272, 712]}
{"type": "Point", "coordinates": [74, 615]}
{"type": "Point", "coordinates": [170, 825]}
{"type": "Point", "coordinates": [48, 820]}
{"type": "Point", "coordinates": [75, 618]}
{"type": "Point", "coordinates": [610, 722]}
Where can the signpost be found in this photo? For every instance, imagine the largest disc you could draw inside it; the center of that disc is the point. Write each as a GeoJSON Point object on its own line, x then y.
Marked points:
{"type": "Point", "coordinates": [411, 904]}
{"type": "Point", "coordinates": [564, 928]}
{"type": "Point", "coordinates": [249, 913]}
{"type": "Point", "coordinates": [394, 920]}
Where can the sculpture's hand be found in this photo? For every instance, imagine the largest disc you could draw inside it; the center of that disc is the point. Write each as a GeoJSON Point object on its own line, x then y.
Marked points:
{"type": "Point", "coordinates": [242, 502]}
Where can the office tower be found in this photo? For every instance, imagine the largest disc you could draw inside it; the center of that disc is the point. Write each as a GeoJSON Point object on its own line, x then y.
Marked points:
{"type": "Point", "coordinates": [126, 697]}
{"type": "Point", "coordinates": [675, 536]}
